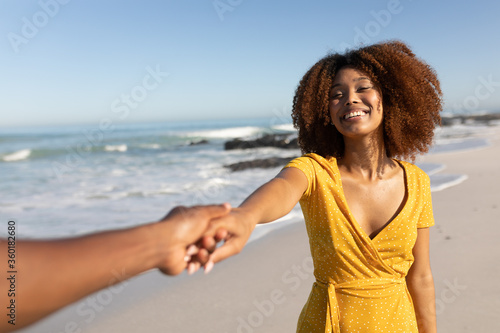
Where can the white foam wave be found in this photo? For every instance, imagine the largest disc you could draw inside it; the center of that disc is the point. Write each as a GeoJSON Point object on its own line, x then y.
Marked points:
{"type": "Point", "coordinates": [462, 131]}
{"type": "Point", "coordinates": [431, 168]}
{"type": "Point", "coordinates": [284, 127]}
{"type": "Point", "coordinates": [441, 182]}
{"type": "Point", "coordinates": [151, 146]}
{"type": "Point", "coordinates": [17, 156]}
{"type": "Point", "coordinates": [261, 230]}
{"type": "Point", "coordinates": [118, 172]}
{"type": "Point", "coordinates": [458, 145]}
{"type": "Point", "coordinates": [233, 132]}
{"type": "Point", "coordinates": [120, 148]}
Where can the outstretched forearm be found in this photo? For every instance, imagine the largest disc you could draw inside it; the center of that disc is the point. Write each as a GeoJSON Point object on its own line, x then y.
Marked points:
{"type": "Point", "coordinates": [268, 203]}
{"type": "Point", "coordinates": [277, 197]}
{"type": "Point", "coordinates": [52, 274]}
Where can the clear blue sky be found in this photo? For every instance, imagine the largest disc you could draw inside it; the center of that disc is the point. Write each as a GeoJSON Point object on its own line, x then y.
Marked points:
{"type": "Point", "coordinates": [75, 62]}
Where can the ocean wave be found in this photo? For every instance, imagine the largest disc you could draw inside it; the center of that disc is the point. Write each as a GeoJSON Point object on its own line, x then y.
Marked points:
{"type": "Point", "coordinates": [17, 156]}
{"type": "Point", "coordinates": [285, 128]}
{"type": "Point", "coordinates": [262, 230]}
{"type": "Point", "coordinates": [150, 146]}
{"type": "Point", "coordinates": [462, 131]}
{"type": "Point", "coordinates": [120, 148]}
{"type": "Point", "coordinates": [440, 182]}
{"type": "Point", "coordinates": [207, 187]}
{"type": "Point", "coordinates": [231, 132]}
{"type": "Point", "coordinates": [456, 145]}
{"type": "Point", "coordinates": [156, 173]}
{"type": "Point", "coordinates": [146, 193]}
{"type": "Point", "coordinates": [431, 168]}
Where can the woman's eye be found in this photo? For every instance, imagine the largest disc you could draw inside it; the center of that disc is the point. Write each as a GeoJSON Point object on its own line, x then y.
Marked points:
{"type": "Point", "coordinates": [336, 95]}
{"type": "Point", "coordinates": [364, 88]}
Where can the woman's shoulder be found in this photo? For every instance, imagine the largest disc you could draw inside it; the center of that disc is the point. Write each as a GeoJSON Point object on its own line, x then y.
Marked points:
{"type": "Point", "coordinates": [312, 163]}
{"type": "Point", "coordinates": [414, 172]}
{"type": "Point", "coordinates": [316, 158]}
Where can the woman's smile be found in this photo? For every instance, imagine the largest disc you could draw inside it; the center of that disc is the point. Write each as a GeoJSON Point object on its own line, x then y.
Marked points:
{"type": "Point", "coordinates": [355, 114]}
{"type": "Point", "coordinates": [355, 103]}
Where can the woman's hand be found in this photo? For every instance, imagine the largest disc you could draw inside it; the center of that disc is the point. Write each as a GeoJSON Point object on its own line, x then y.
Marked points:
{"type": "Point", "coordinates": [269, 202]}
{"type": "Point", "coordinates": [238, 225]}
{"type": "Point", "coordinates": [234, 229]}
{"type": "Point", "coordinates": [180, 243]}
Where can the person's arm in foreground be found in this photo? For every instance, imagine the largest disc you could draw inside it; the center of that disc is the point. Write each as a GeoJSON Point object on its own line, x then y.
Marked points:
{"type": "Point", "coordinates": [421, 284]}
{"type": "Point", "coordinates": [52, 274]}
{"type": "Point", "coordinates": [269, 202]}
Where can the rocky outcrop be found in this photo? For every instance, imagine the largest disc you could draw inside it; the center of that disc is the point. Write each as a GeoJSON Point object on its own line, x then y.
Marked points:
{"type": "Point", "coordinates": [200, 142]}
{"type": "Point", "coordinates": [269, 140]}
{"type": "Point", "coordinates": [271, 162]}
{"type": "Point", "coordinates": [462, 119]}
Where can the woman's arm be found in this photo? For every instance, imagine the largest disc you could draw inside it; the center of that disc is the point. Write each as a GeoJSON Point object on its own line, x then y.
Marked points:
{"type": "Point", "coordinates": [276, 198]}
{"type": "Point", "coordinates": [421, 284]}
{"type": "Point", "coordinates": [269, 202]}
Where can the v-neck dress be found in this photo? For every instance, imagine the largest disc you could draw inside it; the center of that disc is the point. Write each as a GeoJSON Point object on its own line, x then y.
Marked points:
{"type": "Point", "coordinates": [360, 282]}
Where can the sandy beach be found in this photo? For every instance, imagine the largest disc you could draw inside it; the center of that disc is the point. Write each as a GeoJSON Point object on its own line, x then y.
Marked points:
{"type": "Point", "coordinates": [465, 244]}
{"type": "Point", "coordinates": [264, 288]}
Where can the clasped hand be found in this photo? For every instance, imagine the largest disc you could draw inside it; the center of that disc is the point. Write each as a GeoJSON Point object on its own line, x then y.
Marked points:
{"type": "Point", "coordinates": [195, 233]}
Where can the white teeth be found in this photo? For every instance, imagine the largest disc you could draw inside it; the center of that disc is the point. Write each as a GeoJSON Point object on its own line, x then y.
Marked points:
{"type": "Point", "coordinates": [353, 114]}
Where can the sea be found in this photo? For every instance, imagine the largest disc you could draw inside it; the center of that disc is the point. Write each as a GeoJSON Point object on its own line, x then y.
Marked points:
{"type": "Point", "coordinates": [64, 181]}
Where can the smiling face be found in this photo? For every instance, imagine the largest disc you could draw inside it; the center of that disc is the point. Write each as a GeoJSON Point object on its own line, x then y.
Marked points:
{"type": "Point", "coordinates": [355, 104]}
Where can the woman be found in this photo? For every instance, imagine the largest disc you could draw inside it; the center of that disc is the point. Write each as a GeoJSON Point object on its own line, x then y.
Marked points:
{"type": "Point", "coordinates": [367, 213]}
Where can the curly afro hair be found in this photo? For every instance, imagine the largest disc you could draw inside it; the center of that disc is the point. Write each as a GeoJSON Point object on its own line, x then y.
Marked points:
{"type": "Point", "coordinates": [411, 97]}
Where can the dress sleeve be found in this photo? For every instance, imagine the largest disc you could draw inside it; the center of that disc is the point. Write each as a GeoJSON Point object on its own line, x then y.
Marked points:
{"type": "Point", "coordinates": [426, 216]}
{"type": "Point", "coordinates": [304, 164]}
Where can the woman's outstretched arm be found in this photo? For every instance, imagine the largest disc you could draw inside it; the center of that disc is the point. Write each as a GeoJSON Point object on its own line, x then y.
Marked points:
{"type": "Point", "coordinates": [269, 202]}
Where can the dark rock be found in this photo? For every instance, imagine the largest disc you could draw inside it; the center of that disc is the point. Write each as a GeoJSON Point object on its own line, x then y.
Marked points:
{"type": "Point", "coordinates": [201, 142]}
{"type": "Point", "coordinates": [448, 121]}
{"type": "Point", "coordinates": [269, 140]}
{"type": "Point", "coordinates": [472, 118]}
{"type": "Point", "coordinates": [483, 118]}
{"type": "Point", "coordinates": [260, 163]}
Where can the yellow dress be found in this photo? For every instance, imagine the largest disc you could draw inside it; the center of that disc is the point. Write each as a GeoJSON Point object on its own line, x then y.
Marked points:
{"type": "Point", "coordinates": [360, 282]}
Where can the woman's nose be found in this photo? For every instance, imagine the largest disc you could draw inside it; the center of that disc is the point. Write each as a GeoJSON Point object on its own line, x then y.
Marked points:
{"type": "Point", "coordinates": [351, 98]}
